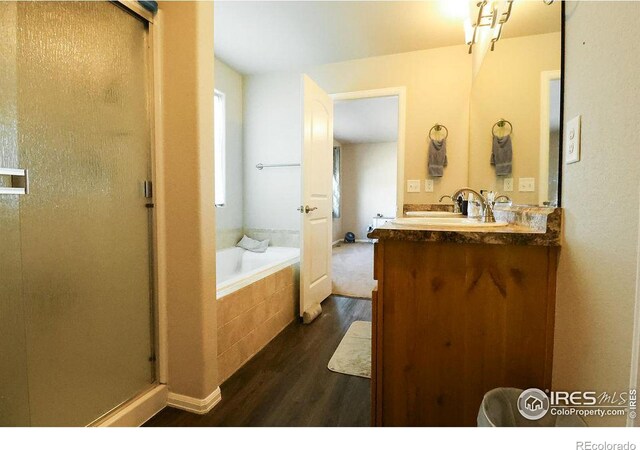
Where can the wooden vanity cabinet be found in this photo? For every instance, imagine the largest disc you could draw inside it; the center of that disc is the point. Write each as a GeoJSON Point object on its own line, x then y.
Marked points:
{"type": "Point", "coordinates": [452, 321]}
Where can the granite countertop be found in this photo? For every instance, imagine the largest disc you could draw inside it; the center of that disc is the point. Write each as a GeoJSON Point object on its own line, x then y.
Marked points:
{"type": "Point", "coordinates": [527, 225]}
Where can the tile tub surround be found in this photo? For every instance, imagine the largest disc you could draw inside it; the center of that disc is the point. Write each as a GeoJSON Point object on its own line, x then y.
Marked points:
{"type": "Point", "coordinates": [250, 317]}
{"type": "Point", "coordinates": [228, 238]}
{"type": "Point", "coordinates": [528, 225]}
{"type": "Point", "coordinates": [277, 238]}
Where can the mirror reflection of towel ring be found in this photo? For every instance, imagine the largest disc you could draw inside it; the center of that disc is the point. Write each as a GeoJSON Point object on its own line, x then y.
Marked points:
{"type": "Point", "coordinates": [438, 127]}
{"type": "Point", "coordinates": [501, 124]}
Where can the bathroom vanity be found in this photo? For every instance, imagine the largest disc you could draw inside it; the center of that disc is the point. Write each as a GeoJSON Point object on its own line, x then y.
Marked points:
{"type": "Point", "coordinates": [460, 311]}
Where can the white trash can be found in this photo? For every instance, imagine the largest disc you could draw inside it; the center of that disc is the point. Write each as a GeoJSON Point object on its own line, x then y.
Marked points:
{"type": "Point", "coordinates": [499, 408]}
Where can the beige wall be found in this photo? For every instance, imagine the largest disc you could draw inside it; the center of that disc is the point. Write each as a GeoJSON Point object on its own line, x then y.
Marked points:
{"type": "Point", "coordinates": [508, 85]}
{"type": "Point", "coordinates": [187, 206]}
{"type": "Point", "coordinates": [229, 218]}
{"type": "Point", "coordinates": [438, 83]}
{"type": "Point", "coordinates": [368, 185]}
{"type": "Point", "coordinates": [439, 88]}
{"type": "Point", "coordinates": [597, 273]}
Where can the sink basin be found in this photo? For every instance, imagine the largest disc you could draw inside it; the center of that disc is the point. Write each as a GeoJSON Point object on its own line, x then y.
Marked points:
{"type": "Point", "coordinates": [454, 222]}
{"type": "Point", "coordinates": [433, 214]}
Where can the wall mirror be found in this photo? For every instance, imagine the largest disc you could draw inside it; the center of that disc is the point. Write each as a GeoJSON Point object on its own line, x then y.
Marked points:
{"type": "Point", "coordinates": [514, 110]}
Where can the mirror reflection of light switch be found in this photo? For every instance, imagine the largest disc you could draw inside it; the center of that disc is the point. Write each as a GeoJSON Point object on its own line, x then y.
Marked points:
{"type": "Point", "coordinates": [527, 184]}
{"type": "Point", "coordinates": [413, 185]}
{"type": "Point", "coordinates": [428, 185]}
{"type": "Point", "coordinates": [572, 145]}
{"type": "Point", "coordinates": [508, 185]}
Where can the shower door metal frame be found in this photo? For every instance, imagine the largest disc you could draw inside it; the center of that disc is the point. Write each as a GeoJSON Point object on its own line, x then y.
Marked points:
{"type": "Point", "coordinates": [133, 410]}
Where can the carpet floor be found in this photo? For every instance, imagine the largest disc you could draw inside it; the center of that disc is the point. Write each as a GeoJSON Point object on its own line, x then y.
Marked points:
{"type": "Point", "coordinates": [353, 269]}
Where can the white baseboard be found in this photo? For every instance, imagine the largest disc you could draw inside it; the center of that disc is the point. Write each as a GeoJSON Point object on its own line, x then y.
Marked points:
{"type": "Point", "coordinates": [195, 405]}
{"type": "Point", "coordinates": [139, 410]}
{"type": "Point", "coordinates": [337, 242]}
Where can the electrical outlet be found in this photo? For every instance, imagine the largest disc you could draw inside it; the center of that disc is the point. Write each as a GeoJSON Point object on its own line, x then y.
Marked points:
{"type": "Point", "coordinates": [527, 184]}
{"type": "Point", "coordinates": [508, 185]}
{"type": "Point", "coordinates": [428, 185]}
{"type": "Point", "coordinates": [413, 185]}
{"type": "Point", "coordinates": [573, 140]}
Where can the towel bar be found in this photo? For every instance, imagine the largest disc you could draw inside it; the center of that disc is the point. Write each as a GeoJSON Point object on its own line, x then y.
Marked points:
{"type": "Point", "coordinates": [261, 166]}
{"type": "Point", "coordinates": [439, 127]}
{"type": "Point", "coordinates": [500, 124]}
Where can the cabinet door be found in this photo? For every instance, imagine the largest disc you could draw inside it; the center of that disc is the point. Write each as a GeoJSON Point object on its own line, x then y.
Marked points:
{"type": "Point", "coordinates": [457, 321]}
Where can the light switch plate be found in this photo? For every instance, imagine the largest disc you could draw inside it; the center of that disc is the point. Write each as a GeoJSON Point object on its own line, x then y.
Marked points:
{"type": "Point", "coordinates": [526, 184]}
{"type": "Point", "coordinates": [507, 185]}
{"type": "Point", "coordinates": [428, 185]}
{"type": "Point", "coordinates": [572, 147]}
{"type": "Point", "coordinates": [413, 185]}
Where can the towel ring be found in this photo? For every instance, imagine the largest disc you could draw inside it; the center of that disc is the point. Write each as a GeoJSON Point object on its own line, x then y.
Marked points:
{"type": "Point", "coordinates": [439, 127]}
{"type": "Point", "coordinates": [500, 124]}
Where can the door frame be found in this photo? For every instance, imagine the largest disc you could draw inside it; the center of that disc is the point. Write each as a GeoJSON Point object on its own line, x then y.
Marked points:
{"type": "Point", "coordinates": [401, 93]}
{"type": "Point", "coordinates": [139, 409]}
{"type": "Point", "coordinates": [543, 172]}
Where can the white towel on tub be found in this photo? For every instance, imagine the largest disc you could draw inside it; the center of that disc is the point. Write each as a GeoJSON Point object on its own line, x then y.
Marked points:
{"type": "Point", "coordinates": [253, 245]}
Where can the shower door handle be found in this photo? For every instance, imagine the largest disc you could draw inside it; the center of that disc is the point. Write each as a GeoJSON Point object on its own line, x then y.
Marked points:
{"type": "Point", "coordinates": [19, 184]}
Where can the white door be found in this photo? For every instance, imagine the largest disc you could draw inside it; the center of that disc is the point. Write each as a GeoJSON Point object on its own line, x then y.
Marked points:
{"type": "Point", "coordinates": [317, 198]}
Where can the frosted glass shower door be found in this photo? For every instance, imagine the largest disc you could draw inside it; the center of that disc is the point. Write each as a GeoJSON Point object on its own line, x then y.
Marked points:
{"type": "Point", "coordinates": [14, 393]}
{"type": "Point", "coordinates": [75, 253]}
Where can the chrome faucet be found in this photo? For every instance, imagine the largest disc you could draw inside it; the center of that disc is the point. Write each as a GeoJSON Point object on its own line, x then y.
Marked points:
{"type": "Point", "coordinates": [456, 205]}
{"type": "Point", "coordinates": [486, 202]}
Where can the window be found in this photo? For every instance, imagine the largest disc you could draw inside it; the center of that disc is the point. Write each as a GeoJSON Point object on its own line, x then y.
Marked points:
{"type": "Point", "coordinates": [336, 182]}
{"type": "Point", "coordinates": [220, 121]}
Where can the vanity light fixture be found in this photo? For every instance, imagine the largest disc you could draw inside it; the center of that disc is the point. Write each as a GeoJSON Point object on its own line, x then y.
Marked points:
{"type": "Point", "coordinates": [504, 16]}
{"type": "Point", "coordinates": [492, 14]}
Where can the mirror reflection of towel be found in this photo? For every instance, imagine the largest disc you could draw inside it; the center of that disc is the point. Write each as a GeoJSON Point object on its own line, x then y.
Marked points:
{"type": "Point", "coordinates": [437, 158]}
{"type": "Point", "coordinates": [502, 155]}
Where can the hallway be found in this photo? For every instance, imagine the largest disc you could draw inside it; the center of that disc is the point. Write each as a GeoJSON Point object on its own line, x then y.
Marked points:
{"type": "Point", "coordinates": [353, 269]}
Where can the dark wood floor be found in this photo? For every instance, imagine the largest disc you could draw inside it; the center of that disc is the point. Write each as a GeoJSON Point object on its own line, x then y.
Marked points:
{"type": "Point", "coordinates": [288, 383]}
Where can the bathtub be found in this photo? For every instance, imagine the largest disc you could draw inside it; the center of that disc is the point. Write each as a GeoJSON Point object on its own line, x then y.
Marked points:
{"type": "Point", "coordinates": [257, 297]}
{"type": "Point", "coordinates": [237, 268]}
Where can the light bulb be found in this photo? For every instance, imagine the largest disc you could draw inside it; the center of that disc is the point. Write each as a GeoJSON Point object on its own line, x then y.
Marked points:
{"type": "Point", "coordinates": [455, 9]}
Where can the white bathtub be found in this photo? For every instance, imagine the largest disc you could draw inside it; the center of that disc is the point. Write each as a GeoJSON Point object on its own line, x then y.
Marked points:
{"type": "Point", "coordinates": [237, 268]}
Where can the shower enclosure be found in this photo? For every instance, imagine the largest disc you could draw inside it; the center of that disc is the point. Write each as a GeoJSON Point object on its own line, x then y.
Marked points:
{"type": "Point", "coordinates": [76, 278]}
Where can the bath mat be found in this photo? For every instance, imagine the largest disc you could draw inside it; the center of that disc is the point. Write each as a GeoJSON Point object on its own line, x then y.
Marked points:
{"type": "Point", "coordinates": [353, 355]}
{"type": "Point", "coordinates": [353, 270]}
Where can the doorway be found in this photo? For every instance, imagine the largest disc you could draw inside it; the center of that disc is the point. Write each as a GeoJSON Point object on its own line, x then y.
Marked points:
{"type": "Point", "coordinates": [550, 133]}
{"type": "Point", "coordinates": [367, 155]}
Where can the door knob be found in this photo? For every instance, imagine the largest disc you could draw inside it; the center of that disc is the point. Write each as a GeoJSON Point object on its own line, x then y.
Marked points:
{"type": "Point", "coordinates": [306, 209]}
